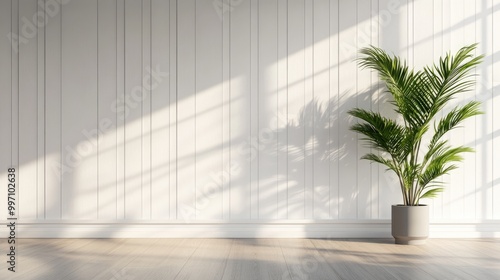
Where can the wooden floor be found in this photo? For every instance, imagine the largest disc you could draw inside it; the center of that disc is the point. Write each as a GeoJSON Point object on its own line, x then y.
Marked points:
{"type": "Point", "coordinates": [133, 259]}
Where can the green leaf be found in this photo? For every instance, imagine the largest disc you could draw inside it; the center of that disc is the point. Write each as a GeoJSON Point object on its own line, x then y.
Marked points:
{"type": "Point", "coordinates": [441, 163]}
{"type": "Point", "coordinates": [381, 133]}
{"type": "Point", "coordinates": [418, 97]}
{"type": "Point", "coordinates": [381, 160]}
{"type": "Point", "coordinates": [431, 193]}
{"type": "Point", "coordinates": [454, 118]}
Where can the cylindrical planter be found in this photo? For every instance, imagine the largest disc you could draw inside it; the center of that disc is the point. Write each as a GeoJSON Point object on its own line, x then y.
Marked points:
{"type": "Point", "coordinates": [410, 224]}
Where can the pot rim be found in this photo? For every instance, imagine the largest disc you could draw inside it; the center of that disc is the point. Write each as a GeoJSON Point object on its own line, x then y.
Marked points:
{"type": "Point", "coordinates": [402, 205]}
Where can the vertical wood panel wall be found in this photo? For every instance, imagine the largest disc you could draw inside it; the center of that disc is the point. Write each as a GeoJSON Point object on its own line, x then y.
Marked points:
{"type": "Point", "coordinates": [226, 110]}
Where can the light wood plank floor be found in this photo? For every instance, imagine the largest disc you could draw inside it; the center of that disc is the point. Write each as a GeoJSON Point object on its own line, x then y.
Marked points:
{"type": "Point", "coordinates": [133, 259]}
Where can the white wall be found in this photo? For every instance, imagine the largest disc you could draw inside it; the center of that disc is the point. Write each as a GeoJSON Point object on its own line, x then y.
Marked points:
{"type": "Point", "coordinates": [227, 117]}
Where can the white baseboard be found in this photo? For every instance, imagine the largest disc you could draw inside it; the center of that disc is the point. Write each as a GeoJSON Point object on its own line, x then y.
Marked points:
{"type": "Point", "coordinates": [243, 229]}
{"type": "Point", "coordinates": [488, 229]}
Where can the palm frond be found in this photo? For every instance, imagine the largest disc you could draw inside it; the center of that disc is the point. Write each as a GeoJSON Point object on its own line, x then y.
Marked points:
{"type": "Point", "coordinates": [381, 133]}
{"type": "Point", "coordinates": [410, 90]}
{"type": "Point", "coordinates": [379, 159]}
{"type": "Point", "coordinates": [431, 193]}
{"type": "Point", "coordinates": [454, 118]}
{"type": "Point", "coordinates": [418, 97]}
{"type": "Point", "coordinates": [441, 163]}
{"type": "Point", "coordinates": [452, 75]}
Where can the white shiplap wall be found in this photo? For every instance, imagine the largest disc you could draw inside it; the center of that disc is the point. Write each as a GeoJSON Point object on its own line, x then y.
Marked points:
{"type": "Point", "coordinates": [226, 117]}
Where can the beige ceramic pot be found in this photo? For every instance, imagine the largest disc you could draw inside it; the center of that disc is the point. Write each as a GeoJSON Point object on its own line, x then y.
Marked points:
{"type": "Point", "coordinates": [410, 224]}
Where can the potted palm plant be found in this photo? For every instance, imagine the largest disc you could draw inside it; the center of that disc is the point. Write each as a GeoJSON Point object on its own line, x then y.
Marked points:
{"type": "Point", "coordinates": [412, 144]}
